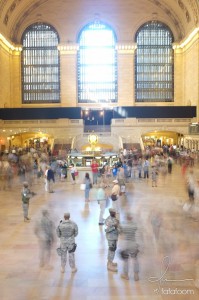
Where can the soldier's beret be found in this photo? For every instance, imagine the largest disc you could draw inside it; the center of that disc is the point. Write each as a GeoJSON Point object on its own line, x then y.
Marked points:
{"type": "Point", "coordinates": [67, 215]}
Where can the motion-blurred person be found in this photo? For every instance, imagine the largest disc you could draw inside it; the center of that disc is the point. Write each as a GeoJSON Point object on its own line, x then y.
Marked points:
{"type": "Point", "coordinates": [120, 176]}
{"type": "Point", "coordinates": [194, 209]}
{"type": "Point", "coordinates": [146, 165]}
{"type": "Point", "coordinates": [26, 194]}
{"type": "Point", "coordinates": [67, 231]}
{"type": "Point", "coordinates": [139, 168]}
{"type": "Point", "coordinates": [130, 247]}
{"type": "Point", "coordinates": [115, 194]}
{"type": "Point", "coordinates": [108, 174]}
{"type": "Point", "coordinates": [114, 171]}
{"type": "Point", "coordinates": [112, 232]}
{"type": "Point", "coordinates": [7, 175]}
{"type": "Point", "coordinates": [101, 198]}
{"type": "Point", "coordinates": [50, 179]}
{"type": "Point", "coordinates": [1, 176]}
{"type": "Point", "coordinates": [88, 186]}
{"type": "Point", "coordinates": [190, 180]}
{"type": "Point", "coordinates": [95, 169]}
{"type": "Point", "coordinates": [45, 231]}
{"type": "Point", "coordinates": [35, 169]}
{"type": "Point", "coordinates": [156, 223]}
{"type": "Point", "coordinates": [154, 175]}
{"type": "Point", "coordinates": [63, 174]}
{"type": "Point", "coordinates": [163, 170]}
{"type": "Point", "coordinates": [21, 172]}
{"type": "Point", "coordinates": [170, 164]}
{"type": "Point", "coordinates": [72, 172]}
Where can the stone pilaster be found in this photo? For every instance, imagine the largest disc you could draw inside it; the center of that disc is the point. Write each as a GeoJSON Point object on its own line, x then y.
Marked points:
{"type": "Point", "coordinates": [68, 63]}
{"type": "Point", "coordinates": [126, 74]}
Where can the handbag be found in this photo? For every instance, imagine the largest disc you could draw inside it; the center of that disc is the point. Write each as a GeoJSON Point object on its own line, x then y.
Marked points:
{"type": "Point", "coordinates": [90, 185]}
{"type": "Point", "coordinates": [114, 197]}
{"type": "Point", "coordinates": [82, 186]}
{"type": "Point", "coordinates": [76, 173]}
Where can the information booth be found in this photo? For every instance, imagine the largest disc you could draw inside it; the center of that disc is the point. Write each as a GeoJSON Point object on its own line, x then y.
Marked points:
{"type": "Point", "coordinates": [83, 161]}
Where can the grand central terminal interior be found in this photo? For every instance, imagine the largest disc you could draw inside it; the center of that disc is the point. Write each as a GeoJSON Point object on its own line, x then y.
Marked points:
{"type": "Point", "coordinates": [113, 83]}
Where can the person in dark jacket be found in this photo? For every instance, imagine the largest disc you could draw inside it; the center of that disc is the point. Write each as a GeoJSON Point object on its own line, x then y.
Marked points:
{"type": "Point", "coordinates": [88, 186]}
{"type": "Point", "coordinates": [50, 179]}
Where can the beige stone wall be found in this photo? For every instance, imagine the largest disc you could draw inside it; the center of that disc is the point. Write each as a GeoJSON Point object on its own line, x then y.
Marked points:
{"type": "Point", "coordinates": [178, 78]}
{"type": "Point", "coordinates": [186, 76]}
{"type": "Point", "coordinates": [59, 131]}
{"type": "Point", "coordinates": [126, 78]}
{"type": "Point", "coordinates": [16, 96]}
{"type": "Point", "coordinates": [68, 63]}
{"type": "Point", "coordinates": [191, 74]}
{"type": "Point", "coordinates": [131, 129]}
{"type": "Point", "coordinates": [5, 77]}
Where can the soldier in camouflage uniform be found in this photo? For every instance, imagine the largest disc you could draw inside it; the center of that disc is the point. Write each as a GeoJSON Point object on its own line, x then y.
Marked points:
{"type": "Point", "coordinates": [67, 231]}
{"type": "Point", "coordinates": [26, 194]}
{"type": "Point", "coordinates": [112, 232]}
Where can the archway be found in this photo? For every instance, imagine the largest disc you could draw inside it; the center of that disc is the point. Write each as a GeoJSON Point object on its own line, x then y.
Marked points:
{"type": "Point", "coordinates": [161, 138]}
{"type": "Point", "coordinates": [26, 140]}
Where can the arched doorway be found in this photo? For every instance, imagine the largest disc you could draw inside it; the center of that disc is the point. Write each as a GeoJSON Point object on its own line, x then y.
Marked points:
{"type": "Point", "coordinates": [26, 140]}
{"type": "Point", "coordinates": [161, 138]}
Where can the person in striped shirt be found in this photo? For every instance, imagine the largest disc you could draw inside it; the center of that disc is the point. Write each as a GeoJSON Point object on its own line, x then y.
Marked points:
{"type": "Point", "coordinates": [130, 247]}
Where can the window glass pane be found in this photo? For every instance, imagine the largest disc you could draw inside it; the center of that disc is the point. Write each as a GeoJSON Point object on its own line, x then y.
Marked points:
{"type": "Point", "coordinates": [40, 65]}
{"type": "Point", "coordinates": [97, 64]}
{"type": "Point", "coordinates": [154, 78]}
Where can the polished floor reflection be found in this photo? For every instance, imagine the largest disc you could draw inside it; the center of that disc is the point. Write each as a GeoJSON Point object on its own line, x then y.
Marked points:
{"type": "Point", "coordinates": [167, 261]}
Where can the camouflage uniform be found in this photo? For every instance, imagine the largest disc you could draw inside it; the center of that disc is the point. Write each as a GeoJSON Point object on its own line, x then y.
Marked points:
{"type": "Point", "coordinates": [26, 195]}
{"type": "Point", "coordinates": [67, 231]}
{"type": "Point", "coordinates": [112, 232]}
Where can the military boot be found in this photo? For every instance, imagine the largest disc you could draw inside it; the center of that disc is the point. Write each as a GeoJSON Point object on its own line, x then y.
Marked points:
{"type": "Point", "coordinates": [111, 267]}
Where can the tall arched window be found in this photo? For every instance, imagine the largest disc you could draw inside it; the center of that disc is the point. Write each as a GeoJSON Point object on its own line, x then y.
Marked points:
{"type": "Point", "coordinates": [40, 65]}
{"type": "Point", "coordinates": [97, 64]}
{"type": "Point", "coordinates": [154, 75]}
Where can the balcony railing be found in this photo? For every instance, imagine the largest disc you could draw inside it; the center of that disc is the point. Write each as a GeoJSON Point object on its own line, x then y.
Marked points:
{"type": "Point", "coordinates": [97, 128]}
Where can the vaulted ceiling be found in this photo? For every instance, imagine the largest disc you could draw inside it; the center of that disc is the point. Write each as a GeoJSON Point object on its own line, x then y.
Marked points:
{"type": "Point", "coordinates": [125, 16]}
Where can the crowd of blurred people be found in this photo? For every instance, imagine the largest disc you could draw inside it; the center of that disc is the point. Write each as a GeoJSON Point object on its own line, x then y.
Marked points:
{"type": "Point", "coordinates": [110, 181]}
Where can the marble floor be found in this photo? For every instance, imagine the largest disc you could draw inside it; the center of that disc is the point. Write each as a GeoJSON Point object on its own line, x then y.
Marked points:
{"type": "Point", "coordinates": [166, 263]}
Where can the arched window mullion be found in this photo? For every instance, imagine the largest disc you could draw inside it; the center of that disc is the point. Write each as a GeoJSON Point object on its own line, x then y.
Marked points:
{"type": "Point", "coordinates": [97, 64]}
{"type": "Point", "coordinates": [40, 65]}
{"type": "Point", "coordinates": [154, 78]}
